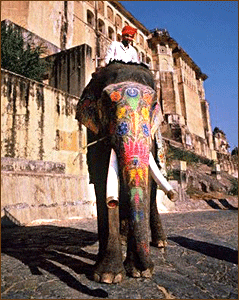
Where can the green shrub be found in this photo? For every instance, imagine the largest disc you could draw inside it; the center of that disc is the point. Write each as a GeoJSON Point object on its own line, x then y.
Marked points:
{"type": "Point", "coordinates": [174, 153]}
{"type": "Point", "coordinates": [19, 56]}
{"type": "Point", "coordinates": [234, 188]}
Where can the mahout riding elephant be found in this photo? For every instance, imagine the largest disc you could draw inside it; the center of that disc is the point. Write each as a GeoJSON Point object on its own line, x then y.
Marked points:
{"type": "Point", "coordinates": [122, 113]}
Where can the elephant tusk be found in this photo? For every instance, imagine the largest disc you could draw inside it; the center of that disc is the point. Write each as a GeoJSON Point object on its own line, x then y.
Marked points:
{"type": "Point", "coordinates": [112, 186]}
{"type": "Point", "coordinates": [158, 176]}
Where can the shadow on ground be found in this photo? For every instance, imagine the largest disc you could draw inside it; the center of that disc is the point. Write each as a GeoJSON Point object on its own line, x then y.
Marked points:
{"type": "Point", "coordinates": [215, 251]}
{"type": "Point", "coordinates": [39, 247]}
{"type": "Point", "coordinates": [223, 202]}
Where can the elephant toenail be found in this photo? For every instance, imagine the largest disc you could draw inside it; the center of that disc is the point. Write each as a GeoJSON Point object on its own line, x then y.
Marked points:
{"type": "Point", "coordinates": [136, 274]}
{"type": "Point", "coordinates": [162, 244]}
{"type": "Point", "coordinates": [107, 278]}
{"type": "Point", "coordinates": [118, 278]}
{"type": "Point", "coordinates": [96, 277]}
{"type": "Point", "coordinates": [147, 273]}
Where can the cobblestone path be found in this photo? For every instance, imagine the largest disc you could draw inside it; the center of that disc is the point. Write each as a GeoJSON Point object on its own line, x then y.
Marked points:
{"type": "Point", "coordinates": [56, 261]}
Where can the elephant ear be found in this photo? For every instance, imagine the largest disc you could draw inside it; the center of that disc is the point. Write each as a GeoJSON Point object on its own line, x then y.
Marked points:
{"type": "Point", "coordinates": [87, 113]}
{"type": "Point", "coordinates": [109, 98]}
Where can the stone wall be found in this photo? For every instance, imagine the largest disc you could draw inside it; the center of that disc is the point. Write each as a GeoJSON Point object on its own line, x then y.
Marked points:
{"type": "Point", "coordinates": [38, 123]}
{"type": "Point", "coordinates": [71, 69]}
{"type": "Point", "coordinates": [44, 171]}
{"type": "Point", "coordinates": [39, 190]}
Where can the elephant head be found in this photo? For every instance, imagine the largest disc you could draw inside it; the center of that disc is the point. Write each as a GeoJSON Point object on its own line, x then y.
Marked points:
{"type": "Point", "coordinates": [128, 113]}
{"type": "Point", "coordinates": [131, 114]}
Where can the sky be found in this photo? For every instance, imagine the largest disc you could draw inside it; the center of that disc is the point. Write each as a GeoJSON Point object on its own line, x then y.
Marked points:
{"type": "Point", "coordinates": [208, 32]}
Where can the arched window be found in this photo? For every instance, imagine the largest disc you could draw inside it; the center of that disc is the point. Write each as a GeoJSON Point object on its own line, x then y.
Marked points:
{"type": "Point", "coordinates": [101, 9]}
{"type": "Point", "coordinates": [148, 61]}
{"type": "Point", "coordinates": [118, 37]}
{"type": "Point", "coordinates": [141, 40]}
{"type": "Point", "coordinates": [101, 26]}
{"type": "Point", "coordinates": [142, 56]}
{"type": "Point", "coordinates": [164, 65]}
{"type": "Point", "coordinates": [110, 14]}
{"type": "Point", "coordinates": [110, 33]}
{"type": "Point", "coordinates": [118, 21]}
{"type": "Point", "coordinates": [90, 18]}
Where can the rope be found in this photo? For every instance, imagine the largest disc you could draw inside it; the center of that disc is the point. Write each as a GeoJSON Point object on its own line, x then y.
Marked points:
{"type": "Point", "coordinates": [88, 145]}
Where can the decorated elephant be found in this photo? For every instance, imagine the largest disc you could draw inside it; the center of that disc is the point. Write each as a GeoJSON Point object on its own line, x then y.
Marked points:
{"type": "Point", "coordinates": [122, 113]}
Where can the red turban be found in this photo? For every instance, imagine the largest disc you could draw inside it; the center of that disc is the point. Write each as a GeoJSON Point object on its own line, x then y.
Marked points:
{"type": "Point", "coordinates": [129, 30]}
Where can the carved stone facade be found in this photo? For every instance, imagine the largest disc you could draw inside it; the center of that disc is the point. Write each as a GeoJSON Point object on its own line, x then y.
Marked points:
{"type": "Point", "coordinates": [180, 86]}
{"type": "Point", "coordinates": [180, 82]}
{"type": "Point", "coordinates": [227, 162]}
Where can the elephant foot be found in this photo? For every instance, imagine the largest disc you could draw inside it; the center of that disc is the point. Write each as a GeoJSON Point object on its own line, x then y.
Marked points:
{"type": "Point", "coordinates": [159, 243]}
{"type": "Point", "coordinates": [133, 271]}
{"type": "Point", "coordinates": [137, 265]}
{"type": "Point", "coordinates": [109, 277]}
{"type": "Point", "coordinates": [109, 270]}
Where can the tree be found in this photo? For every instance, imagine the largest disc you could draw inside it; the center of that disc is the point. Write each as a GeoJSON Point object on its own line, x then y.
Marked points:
{"type": "Point", "coordinates": [21, 56]}
{"type": "Point", "coordinates": [216, 130]}
{"type": "Point", "coordinates": [235, 151]}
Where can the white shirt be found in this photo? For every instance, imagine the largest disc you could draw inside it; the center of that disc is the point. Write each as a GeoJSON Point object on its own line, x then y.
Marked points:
{"type": "Point", "coordinates": [118, 51]}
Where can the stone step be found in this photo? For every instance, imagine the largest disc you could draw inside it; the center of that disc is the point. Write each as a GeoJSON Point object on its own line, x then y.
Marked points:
{"type": "Point", "coordinates": [34, 166]}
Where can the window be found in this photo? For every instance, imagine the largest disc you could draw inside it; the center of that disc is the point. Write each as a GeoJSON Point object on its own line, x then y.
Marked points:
{"type": "Point", "coordinates": [110, 14]}
{"type": "Point", "coordinates": [101, 9]}
{"type": "Point", "coordinates": [164, 65]}
{"type": "Point", "coordinates": [90, 18]}
{"type": "Point", "coordinates": [118, 21]}
{"type": "Point", "coordinates": [142, 57]}
{"type": "Point", "coordinates": [148, 61]}
{"type": "Point", "coordinates": [141, 40]}
{"type": "Point", "coordinates": [111, 33]}
{"type": "Point", "coordinates": [118, 37]}
{"type": "Point", "coordinates": [101, 26]}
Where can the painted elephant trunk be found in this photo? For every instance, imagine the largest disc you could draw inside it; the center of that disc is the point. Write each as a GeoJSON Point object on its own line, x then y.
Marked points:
{"type": "Point", "coordinates": [133, 106]}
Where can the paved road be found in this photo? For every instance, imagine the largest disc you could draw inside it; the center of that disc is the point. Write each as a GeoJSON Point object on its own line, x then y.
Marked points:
{"type": "Point", "coordinates": [55, 261]}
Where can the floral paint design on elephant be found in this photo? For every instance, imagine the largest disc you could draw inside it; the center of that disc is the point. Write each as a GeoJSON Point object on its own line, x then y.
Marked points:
{"type": "Point", "coordinates": [132, 109]}
{"type": "Point", "coordinates": [133, 132]}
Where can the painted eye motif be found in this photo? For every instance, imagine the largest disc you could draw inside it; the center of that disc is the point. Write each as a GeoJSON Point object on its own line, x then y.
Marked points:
{"type": "Point", "coordinates": [145, 130]}
{"type": "Point", "coordinates": [122, 129]}
{"type": "Point", "coordinates": [135, 161]}
{"type": "Point", "coordinates": [132, 92]}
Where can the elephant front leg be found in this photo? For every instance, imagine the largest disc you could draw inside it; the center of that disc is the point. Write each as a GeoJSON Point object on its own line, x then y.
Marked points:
{"type": "Point", "coordinates": [109, 268]}
{"type": "Point", "coordinates": [159, 238]}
